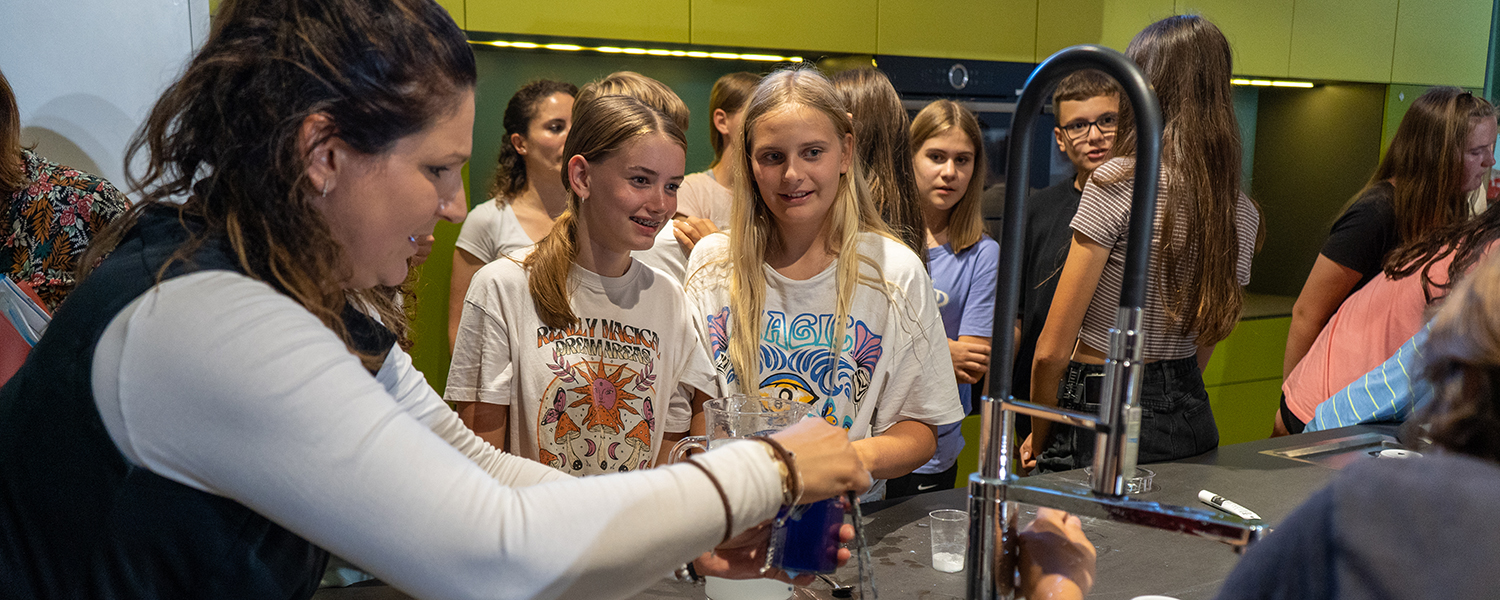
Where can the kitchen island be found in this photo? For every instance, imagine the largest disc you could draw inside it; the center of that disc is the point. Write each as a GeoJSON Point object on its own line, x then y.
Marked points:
{"type": "Point", "coordinates": [1271, 477]}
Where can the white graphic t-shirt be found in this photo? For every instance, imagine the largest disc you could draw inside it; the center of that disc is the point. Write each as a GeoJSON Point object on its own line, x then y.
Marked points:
{"type": "Point", "coordinates": [491, 230]}
{"type": "Point", "coordinates": [894, 362]}
{"type": "Point", "coordinates": [594, 397]}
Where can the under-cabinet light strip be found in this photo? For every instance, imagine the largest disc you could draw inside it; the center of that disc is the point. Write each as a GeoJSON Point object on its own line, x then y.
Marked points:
{"type": "Point", "coordinates": [1271, 83]}
{"type": "Point", "coordinates": [640, 51]}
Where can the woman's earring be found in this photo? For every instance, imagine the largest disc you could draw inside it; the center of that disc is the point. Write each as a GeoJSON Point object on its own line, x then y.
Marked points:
{"type": "Point", "coordinates": [325, 187]}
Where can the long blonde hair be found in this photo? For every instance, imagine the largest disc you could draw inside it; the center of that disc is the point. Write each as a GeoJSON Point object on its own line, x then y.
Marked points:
{"type": "Point", "coordinates": [602, 126]}
{"type": "Point", "coordinates": [653, 93]}
{"type": "Point", "coordinates": [753, 229]}
{"type": "Point", "coordinates": [965, 221]}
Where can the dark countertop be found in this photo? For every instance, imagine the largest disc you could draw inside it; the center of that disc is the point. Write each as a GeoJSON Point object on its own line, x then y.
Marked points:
{"type": "Point", "coordinates": [1132, 561]}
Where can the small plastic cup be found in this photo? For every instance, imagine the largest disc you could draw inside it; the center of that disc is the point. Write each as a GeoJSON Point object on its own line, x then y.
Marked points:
{"type": "Point", "coordinates": [950, 539]}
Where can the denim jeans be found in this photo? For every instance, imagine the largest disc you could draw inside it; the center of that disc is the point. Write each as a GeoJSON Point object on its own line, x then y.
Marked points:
{"type": "Point", "coordinates": [1176, 420]}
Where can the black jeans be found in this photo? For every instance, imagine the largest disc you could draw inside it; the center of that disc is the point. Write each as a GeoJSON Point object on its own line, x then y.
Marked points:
{"type": "Point", "coordinates": [1176, 420]}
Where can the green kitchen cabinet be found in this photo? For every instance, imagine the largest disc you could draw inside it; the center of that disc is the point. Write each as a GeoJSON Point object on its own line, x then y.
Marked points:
{"type": "Point", "coordinates": [826, 25]}
{"type": "Point", "coordinates": [1125, 18]}
{"type": "Point", "coordinates": [455, 9]}
{"type": "Point", "coordinates": [1245, 411]}
{"type": "Point", "coordinates": [1442, 42]}
{"type": "Point", "coordinates": [959, 29]}
{"type": "Point", "coordinates": [1063, 23]}
{"type": "Point", "coordinates": [1260, 33]}
{"type": "Point", "coordinates": [1347, 40]}
{"type": "Point", "coordinates": [1244, 376]}
{"type": "Point", "coordinates": [637, 20]}
{"type": "Point", "coordinates": [1252, 352]}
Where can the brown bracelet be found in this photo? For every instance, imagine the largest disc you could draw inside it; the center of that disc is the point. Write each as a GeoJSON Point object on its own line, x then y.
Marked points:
{"type": "Point", "coordinates": [788, 458]}
{"type": "Point", "coordinates": [724, 498]}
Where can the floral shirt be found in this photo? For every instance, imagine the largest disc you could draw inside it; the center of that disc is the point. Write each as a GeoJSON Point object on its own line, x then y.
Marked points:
{"type": "Point", "coordinates": [48, 225]}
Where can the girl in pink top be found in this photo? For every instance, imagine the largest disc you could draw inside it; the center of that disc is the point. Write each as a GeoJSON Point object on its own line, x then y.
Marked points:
{"type": "Point", "coordinates": [1376, 320]}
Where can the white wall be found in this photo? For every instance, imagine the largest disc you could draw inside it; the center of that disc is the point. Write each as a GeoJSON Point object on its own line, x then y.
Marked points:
{"type": "Point", "coordinates": [86, 72]}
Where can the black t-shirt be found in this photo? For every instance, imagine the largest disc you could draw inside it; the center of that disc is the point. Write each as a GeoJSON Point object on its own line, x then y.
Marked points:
{"type": "Point", "coordinates": [1413, 528]}
{"type": "Point", "coordinates": [1365, 233]}
{"type": "Point", "coordinates": [1049, 214]}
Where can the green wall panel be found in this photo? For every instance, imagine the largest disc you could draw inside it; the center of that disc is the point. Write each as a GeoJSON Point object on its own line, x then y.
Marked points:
{"type": "Point", "coordinates": [1259, 32]}
{"type": "Point", "coordinates": [1314, 149]}
{"type": "Point", "coordinates": [1348, 40]}
{"type": "Point", "coordinates": [1443, 42]}
{"type": "Point", "coordinates": [987, 29]}
{"type": "Point", "coordinates": [827, 25]}
{"type": "Point", "coordinates": [644, 20]}
{"type": "Point", "coordinates": [1244, 412]}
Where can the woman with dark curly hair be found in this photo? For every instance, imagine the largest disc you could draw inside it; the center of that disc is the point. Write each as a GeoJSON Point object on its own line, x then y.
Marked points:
{"type": "Point", "coordinates": [222, 401]}
{"type": "Point", "coordinates": [526, 192]}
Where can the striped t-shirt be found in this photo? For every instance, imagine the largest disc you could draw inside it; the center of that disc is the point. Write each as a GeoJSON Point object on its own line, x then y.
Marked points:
{"type": "Point", "coordinates": [1104, 217]}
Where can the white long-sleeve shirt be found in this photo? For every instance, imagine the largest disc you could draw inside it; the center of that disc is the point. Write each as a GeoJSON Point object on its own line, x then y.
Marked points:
{"type": "Point", "coordinates": [218, 382]}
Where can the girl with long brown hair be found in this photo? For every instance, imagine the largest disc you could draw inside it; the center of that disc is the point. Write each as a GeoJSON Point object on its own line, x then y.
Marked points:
{"type": "Point", "coordinates": [882, 139]}
{"type": "Point", "coordinates": [1206, 232]}
{"type": "Point", "coordinates": [526, 192]}
{"type": "Point", "coordinates": [1442, 150]}
{"type": "Point", "coordinates": [964, 263]}
{"type": "Point", "coordinates": [215, 408]}
{"type": "Point", "coordinates": [810, 298]}
{"type": "Point", "coordinates": [581, 357]}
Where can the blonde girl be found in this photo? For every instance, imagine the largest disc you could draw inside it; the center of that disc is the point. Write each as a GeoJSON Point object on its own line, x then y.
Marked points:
{"type": "Point", "coordinates": [1206, 232]}
{"type": "Point", "coordinates": [578, 356]}
{"type": "Point", "coordinates": [809, 296]}
{"type": "Point", "coordinates": [963, 261]}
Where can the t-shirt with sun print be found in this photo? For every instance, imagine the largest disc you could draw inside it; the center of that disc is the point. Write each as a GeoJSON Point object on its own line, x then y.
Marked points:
{"type": "Point", "coordinates": [893, 364]}
{"type": "Point", "coordinates": [594, 397]}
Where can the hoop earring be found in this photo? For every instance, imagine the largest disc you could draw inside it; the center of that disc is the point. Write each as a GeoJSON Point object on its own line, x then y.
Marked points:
{"type": "Point", "coordinates": [325, 187]}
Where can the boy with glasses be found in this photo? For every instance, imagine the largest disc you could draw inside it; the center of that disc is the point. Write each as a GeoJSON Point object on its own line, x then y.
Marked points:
{"type": "Point", "coordinates": [1087, 105]}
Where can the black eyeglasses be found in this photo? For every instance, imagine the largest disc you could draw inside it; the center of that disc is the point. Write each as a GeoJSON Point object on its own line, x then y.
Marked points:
{"type": "Point", "coordinates": [1079, 129]}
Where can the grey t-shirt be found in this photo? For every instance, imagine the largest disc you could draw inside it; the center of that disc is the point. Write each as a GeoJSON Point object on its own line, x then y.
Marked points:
{"type": "Point", "coordinates": [1415, 528]}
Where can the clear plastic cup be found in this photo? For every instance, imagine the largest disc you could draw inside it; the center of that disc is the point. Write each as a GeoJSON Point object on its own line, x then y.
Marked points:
{"type": "Point", "coordinates": [950, 539]}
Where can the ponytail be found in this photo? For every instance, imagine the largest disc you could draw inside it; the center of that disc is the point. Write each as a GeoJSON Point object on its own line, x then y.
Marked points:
{"type": "Point", "coordinates": [547, 269]}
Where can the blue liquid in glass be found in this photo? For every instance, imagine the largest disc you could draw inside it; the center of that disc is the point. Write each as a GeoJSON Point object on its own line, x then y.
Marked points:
{"type": "Point", "coordinates": [809, 541]}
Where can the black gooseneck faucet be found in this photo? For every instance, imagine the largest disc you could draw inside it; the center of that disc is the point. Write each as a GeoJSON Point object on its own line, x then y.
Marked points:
{"type": "Point", "coordinates": [995, 491]}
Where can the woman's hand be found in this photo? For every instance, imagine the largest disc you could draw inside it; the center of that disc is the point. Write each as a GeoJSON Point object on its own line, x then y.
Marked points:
{"type": "Point", "coordinates": [1057, 560]}
{"type": "Point", "coordinates": [971, 360]}
{"type": "Point", "coordinates": [742, 556]}
{"type": "Point", "coordinates": [827, 464]}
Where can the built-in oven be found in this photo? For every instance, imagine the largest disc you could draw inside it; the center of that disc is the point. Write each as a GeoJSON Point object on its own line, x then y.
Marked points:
{"type": "Point", "coordinates": [989, 89]}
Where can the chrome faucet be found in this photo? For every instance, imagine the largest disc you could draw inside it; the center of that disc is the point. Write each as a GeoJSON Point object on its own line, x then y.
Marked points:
{"type": "Point", "coordinates": [995, 491]}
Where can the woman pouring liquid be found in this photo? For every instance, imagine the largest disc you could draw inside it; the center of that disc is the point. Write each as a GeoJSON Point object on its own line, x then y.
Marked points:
{"type": "Point", "coordinates": [224, 398]}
